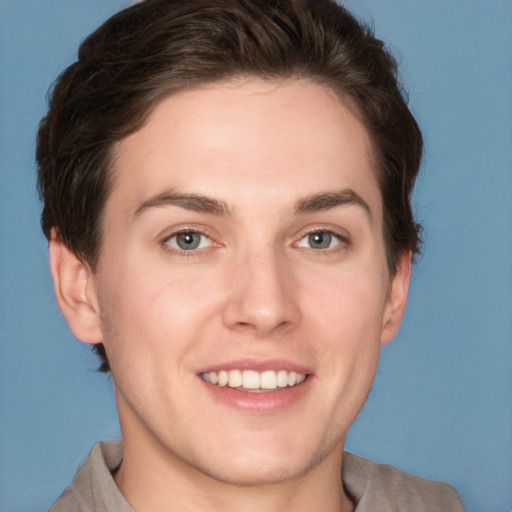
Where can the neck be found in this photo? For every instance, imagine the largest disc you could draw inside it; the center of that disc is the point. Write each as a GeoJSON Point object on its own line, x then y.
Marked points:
{"type": "Point", "coordinates": [169, 484]}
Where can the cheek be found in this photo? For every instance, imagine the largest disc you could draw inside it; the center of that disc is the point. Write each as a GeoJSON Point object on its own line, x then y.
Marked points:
{"type": "Point", "coordinates": [348, 300]}
{"type": "Point", "coordinates": [349, 312]}
{"type": "Point", "coordinates": [152, 310]}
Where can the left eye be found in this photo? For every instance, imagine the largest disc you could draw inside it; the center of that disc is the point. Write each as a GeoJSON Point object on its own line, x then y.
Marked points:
{"type": "Point", "coordinates": [188, 240]}
{"type": "Point", "coordinates": [319, 240]}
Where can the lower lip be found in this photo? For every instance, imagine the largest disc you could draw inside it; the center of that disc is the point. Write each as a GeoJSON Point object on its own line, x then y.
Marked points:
{"type": "Point", "coordinates": [259, 402]}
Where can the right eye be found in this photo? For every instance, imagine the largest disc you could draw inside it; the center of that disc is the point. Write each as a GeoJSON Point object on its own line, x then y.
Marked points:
{"type": "Point", "coordinates": [189, 241]}
{"type": "Point", "coordinates": [320, 239]}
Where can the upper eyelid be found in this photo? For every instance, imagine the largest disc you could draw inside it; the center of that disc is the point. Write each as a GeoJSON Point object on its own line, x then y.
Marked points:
{"type": "Point", "coordinates": [170, 232]}
{"type": "Point", "coordinates": [340, 233]}
{"type": "Point", "coordinates": [181, 231]}
{"type": "Point", "coordinates": [177, 233]}
{"type": "Point", "coordinates": [186, 230]}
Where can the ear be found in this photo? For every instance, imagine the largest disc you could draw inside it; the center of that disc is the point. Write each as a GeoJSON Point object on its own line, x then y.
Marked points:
{"type": "Point", "coordinates": [75, 290]}
{"type": "Point", "coordinates": [397, 299]}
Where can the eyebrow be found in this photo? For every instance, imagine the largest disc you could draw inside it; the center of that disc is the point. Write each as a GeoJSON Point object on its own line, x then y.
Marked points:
{"type": "Point", "coordinates": [328, 200]}
{"type": "Point", "coordinates": [192, 202]}
{"type": "Point", "coordinates": [204, 204]}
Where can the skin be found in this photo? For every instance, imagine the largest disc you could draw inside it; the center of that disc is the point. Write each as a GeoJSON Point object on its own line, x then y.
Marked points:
{"type": "Point", "coordinates": [254, 290]}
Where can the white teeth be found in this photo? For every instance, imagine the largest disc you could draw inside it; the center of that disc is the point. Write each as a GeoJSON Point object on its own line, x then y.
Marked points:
{"type": "Point", "coordinates": [282, 378]}
{"type": "Point", "coordinates": [268, 380]}
{"type": "Point", "coordinates": [235, 378]}
{"type": "Point", "coordinates": [223, 378]}
{"type": "Point", "coordinates": [250, 379]}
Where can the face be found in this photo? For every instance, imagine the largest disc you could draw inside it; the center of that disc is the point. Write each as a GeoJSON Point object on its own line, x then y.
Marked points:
{"type": "Point", "coordinates": [242, 289]}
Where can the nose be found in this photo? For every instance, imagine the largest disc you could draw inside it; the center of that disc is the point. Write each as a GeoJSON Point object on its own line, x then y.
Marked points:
{"type": "Point", "coordinates": [262, 299]}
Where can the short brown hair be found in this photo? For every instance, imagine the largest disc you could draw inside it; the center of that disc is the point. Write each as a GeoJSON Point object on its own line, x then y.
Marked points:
{"type": "Point", "coordinates": [156, 47]}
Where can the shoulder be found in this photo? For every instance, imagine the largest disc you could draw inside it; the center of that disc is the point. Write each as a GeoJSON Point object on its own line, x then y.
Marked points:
{"type": "Point", "coordinates": [93, 487]}
{"type": "Point", "coordinates": [392, 489]}
{"type": "Point", "coordinates": [65, 503]}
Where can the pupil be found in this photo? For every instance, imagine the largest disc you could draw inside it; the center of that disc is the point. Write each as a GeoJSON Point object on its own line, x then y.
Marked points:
{"type": "Point", "coordinates": [320, 240]}
{"type": "Point", "coordinates": [188, 241]}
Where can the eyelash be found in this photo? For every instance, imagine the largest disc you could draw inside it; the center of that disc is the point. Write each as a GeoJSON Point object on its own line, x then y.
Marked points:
{"type": "Point", "coordinates": [343, 241]}
{"type": "Point", "coordinates": [182, 252]}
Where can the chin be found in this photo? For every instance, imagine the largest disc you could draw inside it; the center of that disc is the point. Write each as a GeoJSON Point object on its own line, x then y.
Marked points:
{"type": "Point", "coordinates": [255, 473]}
{"type": "Point", "coordinates": [264, 464]}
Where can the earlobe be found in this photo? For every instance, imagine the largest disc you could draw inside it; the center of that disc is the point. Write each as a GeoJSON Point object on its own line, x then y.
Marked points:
{"type": "Point", "coordinates": [75, 291]}
{"type": "Point", "coordinates": [397, 300]}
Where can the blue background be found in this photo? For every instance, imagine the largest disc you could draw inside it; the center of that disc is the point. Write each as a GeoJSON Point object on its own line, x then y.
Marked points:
{"type": "Point", "coordinates": [441, 406]}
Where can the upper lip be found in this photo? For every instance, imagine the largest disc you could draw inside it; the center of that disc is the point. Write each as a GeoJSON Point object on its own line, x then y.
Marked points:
{"type": "Point", "coordinates": [257, 365]}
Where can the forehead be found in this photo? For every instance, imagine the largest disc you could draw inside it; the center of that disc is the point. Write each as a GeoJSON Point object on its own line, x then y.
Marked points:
{"type": "Point", "coordinates": [252, 137]}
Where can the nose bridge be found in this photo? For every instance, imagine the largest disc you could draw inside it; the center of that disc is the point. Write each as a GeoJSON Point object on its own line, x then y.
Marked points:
{"type": "Point", "coordinates": [262, 291]}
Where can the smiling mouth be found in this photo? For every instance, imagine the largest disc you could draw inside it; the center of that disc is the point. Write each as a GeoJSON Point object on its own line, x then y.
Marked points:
{"type": "Point", "coordinates": [253, 381]}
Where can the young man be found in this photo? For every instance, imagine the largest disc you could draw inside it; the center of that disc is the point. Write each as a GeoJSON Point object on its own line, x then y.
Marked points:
{"type": "Point", "coordinates": [226, 191]}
